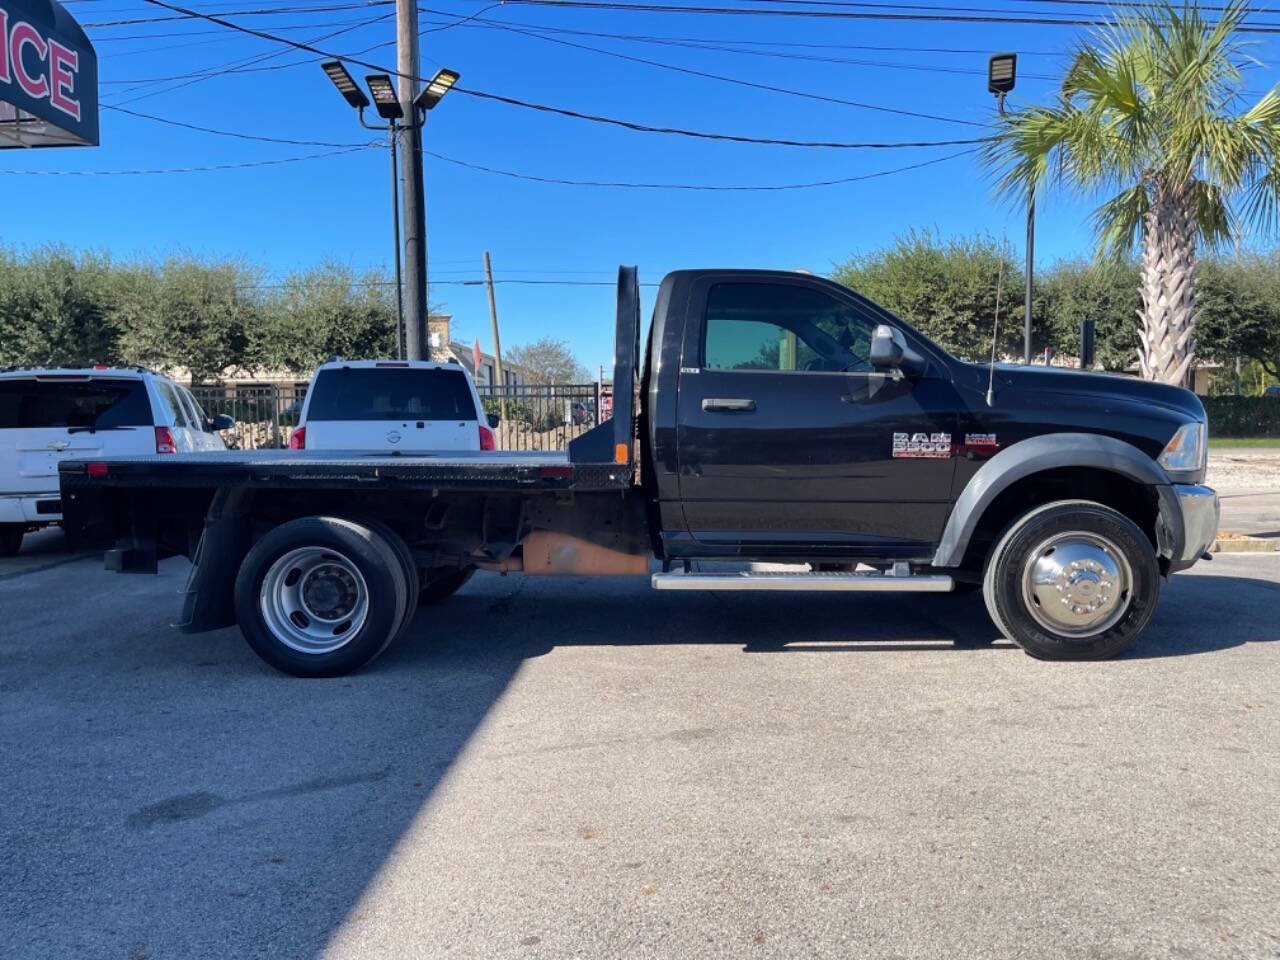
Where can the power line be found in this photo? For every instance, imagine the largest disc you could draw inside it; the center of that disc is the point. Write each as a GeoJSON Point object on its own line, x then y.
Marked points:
{"type": "Point", "coordinates": [642, 128]}
{"type": "Point", "coordinates": [256, 12]}
{"type": "Point", "coordinates": [753, 188]}
{"type": "Point", "coordinates": [241, 64]}
{"type": "Point", "coordinates": [234, 133]}
{"type": "Point", "coordinates": [970, 51]}
{"type": "Point", "coordinates": [1109, 5]}
{"type": "Point", "coordinates": [250, 61]}
{"type": "Point", "coordinates": [202, 169]}
{"type": "Point", "coordinates": [213, 32]}
{"type": "Point", "coordinates": [701, 134]}
{"type": "Point", "coordinates": [696, 43]}
{"type": "Point", "coordinates": [941, 17]}
{"type": "Point", "coordinates": [309, 48]}
{"type": "Point", "coordinates": [752, 84]}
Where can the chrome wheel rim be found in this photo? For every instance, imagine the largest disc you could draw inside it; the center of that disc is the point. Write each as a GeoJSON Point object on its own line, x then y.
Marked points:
{"type": "Point", "coordinates": [314, 600]}
{"type": "Point", "coordinates": [1077, 584]}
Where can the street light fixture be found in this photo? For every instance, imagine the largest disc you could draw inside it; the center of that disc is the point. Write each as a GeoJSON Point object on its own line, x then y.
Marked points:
{"type": "Point", "coordinates": [380, 86]}
{"type": "Point", "coordinates": [1002, 71]}
{"type": "Point", "coordinates": [385, 100]}
{"type": "Point", "coordinates": [1002, 74]}
{"type": "Point", "coordinates": [434, 91]}
{"type": "Point", "coordinates": [345, 84]}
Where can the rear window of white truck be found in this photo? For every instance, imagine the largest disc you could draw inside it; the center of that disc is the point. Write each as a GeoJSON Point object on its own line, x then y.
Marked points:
{"type": "Point", "coordinates": [391, 394]}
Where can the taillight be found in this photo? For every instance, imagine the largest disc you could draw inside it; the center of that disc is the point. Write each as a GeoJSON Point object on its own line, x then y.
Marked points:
{"type": "Point", "coordinates": [486, 439]}
{"type": "Point", "coordinates": [164, 441]}
{"type": "Point", "coordinates": [299, 439]}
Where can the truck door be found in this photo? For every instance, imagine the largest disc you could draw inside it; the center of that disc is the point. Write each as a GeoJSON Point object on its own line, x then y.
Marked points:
{"type": "Point", "coordinates": [787, 436]}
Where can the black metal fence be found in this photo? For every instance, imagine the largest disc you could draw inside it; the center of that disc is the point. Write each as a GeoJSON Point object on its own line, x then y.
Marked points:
{"type": "Point", "coordinates": [265, 414]}
{"type": "Point", "coordinates": [532, 416]}
{"type": "Point", "coordinates": [541, 416]}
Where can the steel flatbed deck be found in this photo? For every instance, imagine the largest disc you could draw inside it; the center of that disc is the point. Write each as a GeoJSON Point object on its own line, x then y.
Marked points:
{"type": "Point", "coordinates": [505, 472]}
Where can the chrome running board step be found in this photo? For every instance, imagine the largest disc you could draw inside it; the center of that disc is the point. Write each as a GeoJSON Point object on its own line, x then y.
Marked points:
{"type": "Point", "coordinates": [811, 581]}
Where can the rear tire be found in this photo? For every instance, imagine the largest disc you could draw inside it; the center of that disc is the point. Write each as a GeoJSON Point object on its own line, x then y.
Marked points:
{"type": "Point", "coordinates": [320, 596]}
{"type": "Point", "coordinates": [407, 567]}
{"type": "Point", "coordinates": [11, 535]}
{"type": "Point", "coordinates": [1072, 580]}
{"type": "Point", "coordinates": [440, 584]}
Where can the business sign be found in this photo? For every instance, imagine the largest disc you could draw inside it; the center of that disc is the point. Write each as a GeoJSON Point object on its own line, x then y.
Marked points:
{"type": "Point", "coordinates": [48, 77]}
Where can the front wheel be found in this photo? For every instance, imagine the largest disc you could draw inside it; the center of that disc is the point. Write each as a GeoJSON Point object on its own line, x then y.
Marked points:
{"type": "Point", "coordinates": [1072, 580]}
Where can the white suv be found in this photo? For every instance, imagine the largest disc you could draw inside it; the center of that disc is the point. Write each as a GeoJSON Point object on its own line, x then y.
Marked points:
{"type": "Point", "coordinates": [388, 406]}
{"type": "Point", "coordinates": [51, 415]}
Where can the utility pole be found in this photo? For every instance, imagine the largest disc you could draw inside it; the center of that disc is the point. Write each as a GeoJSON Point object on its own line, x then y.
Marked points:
{"type": "Point", "coordinates": [1031, 245]}
{"type": "Point", "coordinates": [417, 345]}
{"type": "Point", "coordinates": [497, 344]}
{"type": "Point", "coordinates": [395, 230]}
{"type": "Point", "coordinates": [1002, 73]}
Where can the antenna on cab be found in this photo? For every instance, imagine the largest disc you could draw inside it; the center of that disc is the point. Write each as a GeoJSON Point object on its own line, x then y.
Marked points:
{"type": "Point", "coordinates": [995, 338]}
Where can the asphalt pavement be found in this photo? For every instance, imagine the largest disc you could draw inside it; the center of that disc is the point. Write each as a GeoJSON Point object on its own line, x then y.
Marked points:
{"type": "Point", "coordinates": [575, 768]}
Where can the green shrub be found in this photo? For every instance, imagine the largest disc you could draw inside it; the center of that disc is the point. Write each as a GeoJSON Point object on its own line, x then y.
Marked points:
{"type": "Point", "coordinates": [518, 411]}
{"type": "Point", "coordinates": [1232, 416]}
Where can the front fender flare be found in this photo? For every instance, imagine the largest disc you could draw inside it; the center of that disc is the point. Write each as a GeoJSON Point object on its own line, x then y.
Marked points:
{"type": "Point", "coordinates": [1047, 452]}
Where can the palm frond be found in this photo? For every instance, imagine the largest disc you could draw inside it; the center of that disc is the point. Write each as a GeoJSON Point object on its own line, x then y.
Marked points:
{"type": "Point", "coordinates": [1118, 222]}
{"type": "Point", "coordinates": [1213, 216]}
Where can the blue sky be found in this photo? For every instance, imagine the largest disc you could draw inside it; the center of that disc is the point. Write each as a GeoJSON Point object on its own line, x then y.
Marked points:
{"type": "Point", "coordinates": [295, 214]}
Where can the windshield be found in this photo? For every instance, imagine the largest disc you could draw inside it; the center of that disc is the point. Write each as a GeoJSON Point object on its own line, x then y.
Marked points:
{"type": "Point", "coordinates": [97, 404]}
{"type": "Point", "coordinates": [391, 394]}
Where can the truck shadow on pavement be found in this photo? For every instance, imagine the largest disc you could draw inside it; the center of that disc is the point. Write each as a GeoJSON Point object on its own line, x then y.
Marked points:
{"type": "Point", "coordinates": [170, 796]}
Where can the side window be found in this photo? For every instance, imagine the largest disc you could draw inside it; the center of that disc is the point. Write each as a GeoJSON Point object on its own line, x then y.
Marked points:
{"type": "Point", "coordinates": [171, 401]}
{"type": "Point", "coordinates": [767, 326]}
{"type": "Point", "coordinates": [194, 410]}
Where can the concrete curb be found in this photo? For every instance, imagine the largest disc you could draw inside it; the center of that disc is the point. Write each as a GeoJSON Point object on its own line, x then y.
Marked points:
{"type": "Point", "coordinates": [1242, 544]}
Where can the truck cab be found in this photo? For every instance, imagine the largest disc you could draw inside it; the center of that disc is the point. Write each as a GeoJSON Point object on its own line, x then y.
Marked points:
{"type": "Point", "coordinates": [776, 433]}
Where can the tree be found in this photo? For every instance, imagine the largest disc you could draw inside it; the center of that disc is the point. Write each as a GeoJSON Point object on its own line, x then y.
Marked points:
{"type": "Point", "coordinates": [1106, 293]}
{"type": "Point", "coordinates": [1240, 309]}
{"type": "Point", "coordinates": [1147, 122]}
{"type": "Point", "coordinates": [326, 311]}
{"type": "Point", "coordinates": [189, 314]}
{"type": "Point", "coordinates": [54, 308]}
{"type": "Point", "coordinates": [547, 361]}
{"type": "Point", "coordinates": [946, 290]}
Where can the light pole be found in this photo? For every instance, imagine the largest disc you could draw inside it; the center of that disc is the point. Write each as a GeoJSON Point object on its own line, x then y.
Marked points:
{"type": "Point", "coordinates": [415, 205]}
{"type": "Point", "coordinates": [1002, 70]}
{"type": "Point", "coordinates": [352, 93]}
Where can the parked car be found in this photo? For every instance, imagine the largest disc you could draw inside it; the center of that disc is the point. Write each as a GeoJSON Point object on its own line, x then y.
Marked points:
{"type": "Point", "coordinates": [582, 413]}
{"type": "Point", "coordinates": [47, 416]}
{"type": "Point", "coordinates": [392, 406]}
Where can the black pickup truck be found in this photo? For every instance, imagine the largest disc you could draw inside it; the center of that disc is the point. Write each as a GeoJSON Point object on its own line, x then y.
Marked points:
{"type": "Point", "coordinates": [774, 417]}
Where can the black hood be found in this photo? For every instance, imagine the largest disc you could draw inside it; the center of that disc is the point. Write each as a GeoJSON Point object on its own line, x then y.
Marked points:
{"type": "Point", "coordinates": [1074, 383]}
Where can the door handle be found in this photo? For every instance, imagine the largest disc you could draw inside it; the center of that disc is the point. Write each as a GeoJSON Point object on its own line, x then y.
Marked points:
{"type": "Point", "coordinates": [728, 405]}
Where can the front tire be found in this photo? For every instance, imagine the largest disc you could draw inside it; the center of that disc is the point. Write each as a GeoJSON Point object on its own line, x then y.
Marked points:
{"type": "Point", "coordinates": [1072, 580]}
{"type": "Point", "coordinates": [11, 535]}
{"type": "Point", "coordinates": [320, 596]}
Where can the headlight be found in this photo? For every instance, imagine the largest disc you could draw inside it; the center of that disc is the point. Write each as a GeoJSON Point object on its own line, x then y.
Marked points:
{"type": "Point", "coordinates": [1187, 450]}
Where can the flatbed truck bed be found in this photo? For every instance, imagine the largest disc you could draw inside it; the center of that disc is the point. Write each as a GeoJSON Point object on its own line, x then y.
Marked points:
{"type": "Point", "coordinates": [298, 469]}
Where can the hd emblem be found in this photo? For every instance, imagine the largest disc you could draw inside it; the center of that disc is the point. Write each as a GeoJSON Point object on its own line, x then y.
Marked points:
{"type": "Point", "coordinates": [934, 445]}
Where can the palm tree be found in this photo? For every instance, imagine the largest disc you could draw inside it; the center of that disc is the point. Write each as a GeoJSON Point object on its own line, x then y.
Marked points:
{"type": "Point", "coordinates": [1150, 124]}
